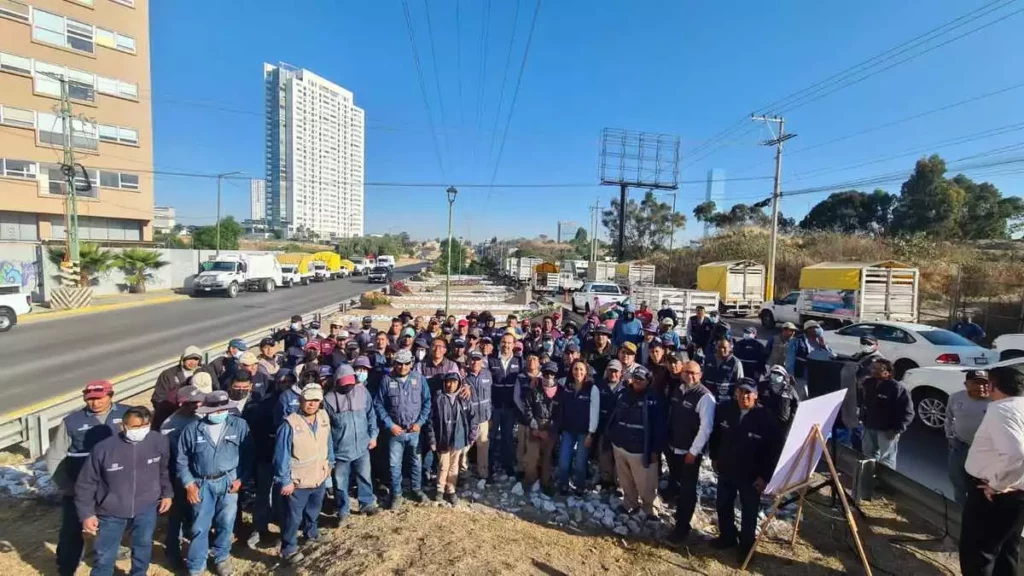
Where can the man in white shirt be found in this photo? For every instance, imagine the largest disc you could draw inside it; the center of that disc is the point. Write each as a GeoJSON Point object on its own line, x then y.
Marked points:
{"type": "Point", "coordinates": [993, 516]}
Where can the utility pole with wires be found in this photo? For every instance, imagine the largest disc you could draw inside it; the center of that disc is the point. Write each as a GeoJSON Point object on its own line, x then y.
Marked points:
{"type": "Point", "coordinates": [594, 211]}
{"type": "Point", "coordinates": [776, 141]}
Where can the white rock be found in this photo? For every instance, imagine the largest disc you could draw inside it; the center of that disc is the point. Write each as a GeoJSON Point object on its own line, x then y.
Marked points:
{"type": "Point", "coordinates": [621, 530]}
{"type": "Point", "coordinates": [481, 485]}
{"type": "Point", "coordinates": [548, 507]}
{"type": "Point", "coordinates": [517, 490]}
{"type": "Point", "coordinates": [633, 526]}
{"type": "Point", "coordinates": [536, 487]}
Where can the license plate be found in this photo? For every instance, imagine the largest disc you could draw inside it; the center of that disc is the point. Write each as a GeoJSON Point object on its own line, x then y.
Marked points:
{"type": "Point", "coordinates": [206, 289]}
{"type": "Point", "coordinates": [981, 360]}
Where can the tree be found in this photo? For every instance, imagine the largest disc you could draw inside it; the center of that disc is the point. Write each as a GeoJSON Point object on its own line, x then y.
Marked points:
{"type": "Point", "coordinates": [137, 265]}
{"type": "Point", "coordinates": [851, 212]}
{"type": "Point", "coordinates": [458, 255]}
{"type": "Point", "coordinates": [649, 225]}
{"type": "Point", "coordinates": [581, 236]}
{"type": "Point", "coordinates": [928, 202]}
{"type": "Point", "coordinates": [169, 240]}
{"type": "Point", "coordinates": [986, 214]}
{"type": "Point", "coordinates": [92, 260]}
{"type": "Point", "coordinates": [705, 211]}
{"type": "Point", "coordinates": [205, 237]}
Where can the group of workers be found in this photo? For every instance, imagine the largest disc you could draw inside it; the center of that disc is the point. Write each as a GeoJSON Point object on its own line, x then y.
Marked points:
{"type": "Point", "coordinates": [316, 415]}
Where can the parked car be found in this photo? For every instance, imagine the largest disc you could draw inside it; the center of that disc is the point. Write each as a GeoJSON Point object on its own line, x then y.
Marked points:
{"type": "Point", "coordinates": [379, 274]}
{"type": "Point", "coordinates": [910, 345]}
{"type": "Point", "coordinates": [290, 275]}
{"type": "Point", "coordinates": [780, 310]}
{"type": "Point", "coordinates": [13, 303]}
{"type": "Point", "coordinates": [594, 295]}
{"type": "Point", "coordinates": [931, 387]}
{"type": "Point", "coordinates": [1009, 346]}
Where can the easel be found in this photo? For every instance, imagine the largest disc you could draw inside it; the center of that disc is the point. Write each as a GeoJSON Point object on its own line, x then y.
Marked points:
{"type": "Point", "coordinates": [800, 485]}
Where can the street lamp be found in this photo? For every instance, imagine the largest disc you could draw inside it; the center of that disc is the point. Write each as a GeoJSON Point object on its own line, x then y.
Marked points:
{"type": "Point", "coordinates": [219, 178]}
{"type": "Point", "coordinates": [452, 192]}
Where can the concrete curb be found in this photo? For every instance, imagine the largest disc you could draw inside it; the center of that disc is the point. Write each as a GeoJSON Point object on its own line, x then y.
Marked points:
{"type": "Point", "coordinates": [34, 318]}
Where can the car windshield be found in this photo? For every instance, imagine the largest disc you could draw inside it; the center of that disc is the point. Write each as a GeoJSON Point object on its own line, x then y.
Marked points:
{"type": "Point", "coordinates": [945, 338]}
{"type": "Point", "coordinates": [221, 266]}
{"type": "Point", "coordinates": [604, 289]}
{"type": "Point", "coordinates": [380, 270]}
{"type": "Point", "coordinates": [288, 269]}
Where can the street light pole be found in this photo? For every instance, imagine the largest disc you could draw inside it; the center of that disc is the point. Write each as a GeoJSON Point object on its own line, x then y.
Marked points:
{"type": "Point", "coordinates": [452, 192]}
{"type": "Point", "coordinates": [219, 178]}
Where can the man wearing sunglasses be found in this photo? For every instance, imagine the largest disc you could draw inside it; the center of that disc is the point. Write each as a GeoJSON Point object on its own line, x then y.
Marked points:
{"type": "Point", "coordinates": [690, 422]}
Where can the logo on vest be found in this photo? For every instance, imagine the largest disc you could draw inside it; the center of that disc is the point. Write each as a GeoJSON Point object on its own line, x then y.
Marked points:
{"type": "Point", "coordinates": [115, 467]}
{"type": "Point", "coordinates": [153, 460]}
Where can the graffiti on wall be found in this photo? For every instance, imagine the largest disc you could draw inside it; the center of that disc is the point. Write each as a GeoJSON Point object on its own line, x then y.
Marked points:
{"type": "Point", "coordinates": [24, 273]}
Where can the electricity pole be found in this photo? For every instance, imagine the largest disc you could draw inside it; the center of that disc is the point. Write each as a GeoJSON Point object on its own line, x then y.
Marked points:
{"type": "Point", "coordinates": [594, 211]}
{"type": "Point", "coordinates": [219, 178]}
{"type": "Point", "coordinates": [72, 254]}
{"type": "Point", "coordinates": [769, 285]}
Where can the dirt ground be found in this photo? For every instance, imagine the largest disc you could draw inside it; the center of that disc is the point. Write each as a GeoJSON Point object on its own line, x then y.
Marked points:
{"type": "Point", "coordinates": [476, 539]}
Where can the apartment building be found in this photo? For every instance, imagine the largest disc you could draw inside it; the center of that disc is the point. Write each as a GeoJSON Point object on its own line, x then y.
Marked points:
{"type": "Point", "coordinates": [314, 153]}
{"type": "Point", "coordinates": [257, 199]}
{"type": "Point", "coordinates": [101, 49]}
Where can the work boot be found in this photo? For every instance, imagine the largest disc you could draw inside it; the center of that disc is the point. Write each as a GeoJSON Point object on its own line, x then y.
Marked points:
{"type": "Point", "coordinates": [294, 558]}
{"type": "Point", "coordinates": [723, 543]}
{"type": "Point", "coordinates": [396, 502]}
{"type": "Point", "coordinates": [419, 496]}
{"type": "Point", "coordinates": [451, 498]}
{"type": "Point", "coordinates": [678, 536]}
{"type": "Point", "coordinates": [370, 510]}
{"type": "Point", "coordinates": [223, 568]}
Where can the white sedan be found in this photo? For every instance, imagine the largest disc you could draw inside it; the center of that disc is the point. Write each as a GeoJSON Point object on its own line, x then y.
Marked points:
{"type": "Point", "coordinates": [931, 388]}
{"type": "Point", "coordinates": [910, 345]}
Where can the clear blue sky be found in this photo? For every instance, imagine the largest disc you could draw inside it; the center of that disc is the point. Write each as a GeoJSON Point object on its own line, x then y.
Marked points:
{"type": "Point", "coordinates": [680, 67]}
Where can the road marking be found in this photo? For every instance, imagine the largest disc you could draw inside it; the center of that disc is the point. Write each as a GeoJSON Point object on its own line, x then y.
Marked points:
{"type": "Point", "coordinates": [30, 318]}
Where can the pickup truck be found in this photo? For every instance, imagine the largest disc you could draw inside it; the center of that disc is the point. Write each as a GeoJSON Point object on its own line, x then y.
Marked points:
{"type": "Point", "coordinates": [781, 310]}
{"type": "Point", "coordinates": [594, 295]}
{"type": "Point", "coordinates": [379, 273]}
{"type": "Point", "coordinates": [12, 304]}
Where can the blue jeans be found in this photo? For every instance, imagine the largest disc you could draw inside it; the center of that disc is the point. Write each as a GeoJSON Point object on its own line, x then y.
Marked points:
{"type": "Point", "coordinates": [364, 489]}
{"type": "Point", "coordinates": [503, 439]}
{"type": "Point", "coordinates": [579, 463]}
{"type": "Point", "coordinates": [70, 543]}
{"type": "Point", "coordinates": [108, 540]}
{"type": "Point", "coordinates": [957, 474]}
{"type": "Point", "coordinates": [878, 446]}
{"type": "Point", "coordinates": [405, 446]}
{"type": "Point", "coordinates": [264, 496]}
{"type": "Point", "coordinates": [216, 509]}
{"type": "Point", "coordinates": [302, 508]}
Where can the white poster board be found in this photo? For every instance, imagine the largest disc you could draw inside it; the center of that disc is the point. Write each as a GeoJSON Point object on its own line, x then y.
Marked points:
{"type": "Point", "coordinates": [821, 411]}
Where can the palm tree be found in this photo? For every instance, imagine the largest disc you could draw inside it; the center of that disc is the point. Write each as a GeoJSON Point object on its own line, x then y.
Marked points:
{"type": "Point", "coordinates": [93, 260]}
{"type": "Point", "coordinates": [138, 265]}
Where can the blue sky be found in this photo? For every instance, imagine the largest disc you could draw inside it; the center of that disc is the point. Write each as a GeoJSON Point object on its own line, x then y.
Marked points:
{"type": "Point", "coordinates": [680, 67]}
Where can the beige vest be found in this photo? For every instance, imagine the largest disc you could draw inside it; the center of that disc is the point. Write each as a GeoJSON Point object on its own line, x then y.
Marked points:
{"type": "Point", "coordinates": [309, 451]}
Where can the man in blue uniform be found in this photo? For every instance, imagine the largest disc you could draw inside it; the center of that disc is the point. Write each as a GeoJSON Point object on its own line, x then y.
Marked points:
{"type": "Point", "coordinates": [403, 405]}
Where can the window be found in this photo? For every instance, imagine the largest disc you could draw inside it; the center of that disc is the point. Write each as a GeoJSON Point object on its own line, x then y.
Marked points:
{"type": "Point", "coordinates": [118, 134]}
{"type": "Point", "coordinates": [17, 64]}
{"type": "Point", "coordinates": [80, 36]}
{"type": "Point", "coordinates": [18, 169]}
{"type": "Point", "coordinates": [120, 180]}
{"type": "Point", "coordinates": [81, 85]}
{"type": "Point", "coordinates": [129, 181]}
{"type": "Point", "coordinates": [941, 337]}
{"type": "Point", "coordinates": [129, 3]}
{"type": "Point", "coordinates": [43, 81]}
{"type": "Point", "coordinates": [106, 38]}
{"type": "Point", "coordinates": [857, 330]}
{"type": "Point", "coordinates": [14, 10]}
{"type": "Point", "coordinates": [50, 28]}
{"type": "Point", "coordinates": [17, 117]}
{"type": "Point", "coordinates": [893, 334]}
{"type": "Point", "coordinates": [125, 43]}
{"type": "Point", "coordinates": [790, 299]}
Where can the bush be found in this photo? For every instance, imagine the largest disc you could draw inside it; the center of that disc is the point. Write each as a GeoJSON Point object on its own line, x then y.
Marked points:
{"type": "Point", "coordinates": [374, 299]}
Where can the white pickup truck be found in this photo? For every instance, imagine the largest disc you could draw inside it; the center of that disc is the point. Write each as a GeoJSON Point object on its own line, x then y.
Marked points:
{"type": "Point", "coordinates": [13, 303]}
{"type": "Point", "coordinates": [781, 310]}
{"type": "Point", "coordinates": [595, 295]}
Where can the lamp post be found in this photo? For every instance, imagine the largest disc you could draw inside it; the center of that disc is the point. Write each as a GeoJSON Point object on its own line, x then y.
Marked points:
{"type": "Point", "coordinates": [452, 192]}
{"type": "Point", "coordinates": [219, 178]}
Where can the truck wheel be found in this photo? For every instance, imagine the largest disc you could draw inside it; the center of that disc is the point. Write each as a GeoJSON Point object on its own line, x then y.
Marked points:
{"type": "Point", "coordinates": [233, 290]}
{"type": "Point", "coordinates": [900, 368]}
{"type": "Point", "coordinates": [269, 285]}
{"type": "Point", "coordinates": [930, 408]}
{"type": "Point", "coordinates": [7, 319]}
{"type": "Point", "coordinates": [305, 281]}
{"type": "Point", "coordinates": [767, 319]}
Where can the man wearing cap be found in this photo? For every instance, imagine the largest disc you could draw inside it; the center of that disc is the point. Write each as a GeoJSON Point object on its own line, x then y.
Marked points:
{"type": "Point", "coordinates": [637, 433]}
{"type": "Point", "coordinates": [124, 484]}
{"type": "Point", "coordinates": [627, 328]}
{"type": "Point", "coordinates": [691, 418]}
{"type": "Point", "coordinates": [751, 353]}
{"type": "Point", "coordinates": [964, 411]}
{"type": "Point", "coordinates": [645, 314]}
{"type": "Point", "coordinates": [570, 354]}
{"type": "Point", "coordinates": [600, 351]}
{"type": "Point", "coordinates": [547, 327]}
{"type": "Point", "coordinates": [202, 380]}
{"type": "Point", "coordinates": [165, 393]}
{"type": "Point", "coordinates": [480, 382]}
{"type": "Point", "coordinates": [776, 391]}
{"type": "Point", "coordinates": [643, 350]}
{"type": "Point", "coordinates": [722, 371]}
{"type": "Point", "coordinates": [259, 380]}
{"type": "Point", "coordinates": [778, 344]}
{"type": "Point", "coordinates": [540, 405]}
{"type": "Point", "coordinates": [627, 355]}
{"type": "Point", "coordinates": [698, 331]}
{"type": "Point", "coordinates": [525, 381]}
{"type": "Point", "coordinates": [214, 460]}
{"type": "Point", "coordinates": [609, 386]}
{"type": "Point", "coordinates": [800, 347]}
{"type": "Point", "coordinates": [269, 361]}
{"type": "Point", "coordinates": [403, 405]}
{"type": "Point", "coordinates": [434, 368]}
{"type": "Point", "coordinates": [405, 339]}
{"type": "Point", "coordinates": [303, 454]}
{"type": "Point", "coordinates": [567, 338]}
{"type": "Point", "coordinates": [462, 329]}
{"type": "Point", "coordinates": [223, 368]}
{"type": "Point", "coordinates": [505, 368]}
{"type": "Point", "coordinates": [367, 333]}
{"type": "Point", "coordinates": [353, 434]}
{"type": "Point", "coordinates": [744, 448]}
{"type": "Point", "coordinates": [189, 399]}
{"type": "Point", "coordinates": [666, 329]}
{"type": "Point", "coordinates": [587, 329]}
{"type": "Point", "coordinates": [666, 311]}
{"type": "Point", "coordinates": [450, 431]}
{"type": "Point", "coordinates": [887, 412]}
{"type": "Point", "coordinates": [69, 450]}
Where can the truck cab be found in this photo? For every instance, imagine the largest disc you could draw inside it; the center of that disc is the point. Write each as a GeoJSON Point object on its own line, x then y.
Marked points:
{"type": "Point", "coordinates": [13, 303]}
{"type": "Point", "coordinates": [230, 274]}
{"type": "Point", "coordinates": [386, 260]}
{"type": "Point", "coordinates": [781, 310]}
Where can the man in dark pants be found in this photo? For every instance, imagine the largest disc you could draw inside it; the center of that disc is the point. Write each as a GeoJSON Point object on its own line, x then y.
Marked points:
{"type": "Point", "coordinates": [993, 517]}
{"type": "Point", "coordinates": [124, 485]}
{"type": "Point", "coordinates": [744, 448]}
{"type": "Point", "coordinates": [691, 418]}
{"type": "Point", "coordinates": [505, 368]}
{"type": "Point", "coordinates": [403, 405]}
{"type": "Point", "coordinates": [76, 436]}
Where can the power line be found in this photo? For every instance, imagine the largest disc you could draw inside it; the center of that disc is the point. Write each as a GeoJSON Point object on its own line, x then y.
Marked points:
{"type": "Point", "coordinates": [504, 78]}
{"type": "Point", "coordinates": [485, 33]}
{"type": "Point", "coordinates": [437, 81]}
{"type": "Point", "coordinates": [458, 51]}
{"type": "Point", "coordinates": [423, 86]}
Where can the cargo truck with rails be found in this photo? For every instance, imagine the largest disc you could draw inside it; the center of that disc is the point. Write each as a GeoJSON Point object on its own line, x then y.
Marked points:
{"type": "Point", "coordinates": [739, 284]}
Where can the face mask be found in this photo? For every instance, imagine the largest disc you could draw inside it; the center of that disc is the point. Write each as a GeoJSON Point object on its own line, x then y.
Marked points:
{"type": "Point", "coordinates": [238, 394]}
{"type": "Point", "coordinates": [237, 354]}
{"type": "Point", "coordinates": [712, 319]}
{"type": "Point", "coordinates": [867, 349]}
{"type": "Point", "coordinates": [218, 418]}
{"type": "Point", "coordinates": [302, 342]}
{"type": "Point", "coordinates": [748, 336]}
{"type": "Point", "coordinates": [777, 378]}
{"type": "Point", "coordinates": [549, 346]}
{"type": "Point", "coordinates": [421, 354]}
{"type": "Point", "coordinates": [296, 326]}
{"type": "Point", "coordinates": [361, 376]}
{"type": "Point", "coordinates": [136, 435]}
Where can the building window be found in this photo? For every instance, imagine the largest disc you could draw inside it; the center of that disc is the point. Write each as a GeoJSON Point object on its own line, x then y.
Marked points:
{"type": "Point", "coordinates": [17, 117]}
{"type": "Point", "coordinates": [125, 43]}
{"type": "Point", "coordinates": [16, 64]}
{"type": "Point", "coordinates": [118, 134]}
{"type": "Point", "coordinates": [50, 128]}
{"type": "Point", "coordinates": [18, 169]}
{"type": "Point", "coordinates": [120, 180]}
{"type": "Point", "coordinates": [81, 86]}
{"type": "Point", "coordinates": [14, 11]}
{"type": "Point", "coordinates": [129, 3]}
{"type": "Point", "coordinates": [60, 31]}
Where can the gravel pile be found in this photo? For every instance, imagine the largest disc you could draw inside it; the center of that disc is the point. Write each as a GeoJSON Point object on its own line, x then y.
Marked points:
{"type": "Point", "coordinates": [26, 480]}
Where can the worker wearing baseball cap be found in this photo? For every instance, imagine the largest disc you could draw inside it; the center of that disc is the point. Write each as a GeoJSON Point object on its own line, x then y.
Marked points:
{"type": "Point", "coordinates": [189, 398]}
{"type": "Point", "coordinates": [751, 353]}
{"type": "Point", "coordinates": [303, 458]}
{"type": "Point", "coordinates": [269, 360]}
{"type": "Point", "coordinates": [666, 311]}
{"type": "Point", "coordinates": [293, 335]}
{"type": "Point", "coordinates": [449, 432]}
{"type": "Point", "coordinates": [964, 411]}
{"type": "Point", "coordinates": [367, 333]}
{"type": "Point", "coordinates": [600, 351]}
{"type": "Point", "coordinates": [637, 432]}
{"type": "Point", "coordinates": [744, 448]}
{"type": "Point", "coordinates": [777, 345]}
{"type": "Point", "coordinates": [627, 355]}
{"type": "Point", "coordinates": [67, 454]}
{"type": "Point", "coordinates": [541, 405]}
{"type": "Point", "coordinates": [609, 384]}
{"type": "Point", "coordinates": [403, 405]}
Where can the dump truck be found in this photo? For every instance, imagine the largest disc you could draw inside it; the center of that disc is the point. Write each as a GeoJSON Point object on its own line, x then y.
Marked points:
{"type": "Point", "coordinates": [739, 283]}
{"type": "Point", "coordinates": [232, 273]}
{"type": "Point", "coordinates": [848, 292]}
{"type": "Point", "coordinates": [303, 261]}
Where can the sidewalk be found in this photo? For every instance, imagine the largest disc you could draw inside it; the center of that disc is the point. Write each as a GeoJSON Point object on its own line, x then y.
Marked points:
{"type": "Point", "coordinates": [105, 303]}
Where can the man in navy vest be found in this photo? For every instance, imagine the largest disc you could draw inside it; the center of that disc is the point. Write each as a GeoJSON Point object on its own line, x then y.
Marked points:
{"type": "Point", "coordinates": [637, 433]}
{"type": "Point", "coordinates": [722, 371]}
{"type": "Point", "coordinates": [76, 436]}
{"type": "Point", "coordinates": [691, 418]}
{"type": "Point", "coordinates": [505, 368]}
{"type": "Point", "coordinates": [403, 405]}
{"type": "Point", "coordinates": [479, 380]}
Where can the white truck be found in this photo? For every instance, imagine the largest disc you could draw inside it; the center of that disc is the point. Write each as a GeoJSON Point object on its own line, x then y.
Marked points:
{"type": "Point", "coordinates": [386, 260]}
{"type": "Point", "coordinates": [599, 271]}
{"type": "Point", "coordinates": [13, 303]}
{"type": "Point", "coordinates": [596, 295]}
{"type": "Point", "coordinates": [362, 265]}
{"type": "Point", "coordinates": [231, 273]}
{"type": "Point", "coordinates": [682, 301]}
{"type": "Point", "coordinates": [290, 275]}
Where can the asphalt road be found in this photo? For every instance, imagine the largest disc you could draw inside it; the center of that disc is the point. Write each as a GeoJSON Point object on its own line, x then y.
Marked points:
{"type": "Point", "coordinates": [50, 358]}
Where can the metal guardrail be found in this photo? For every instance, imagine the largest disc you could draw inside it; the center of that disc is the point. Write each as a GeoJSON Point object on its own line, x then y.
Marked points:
{"type": "Point", "coordinates": [32, 429]}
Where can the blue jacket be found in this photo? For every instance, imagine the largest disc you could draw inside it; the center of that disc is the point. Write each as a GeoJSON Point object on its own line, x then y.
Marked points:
{"type": "Point", "coordinates": [451, 425]}
{"type": "Point", "coordinates": [123, 479]}
{"type": "Point", "coordinates": [403, 403]}
{"type": "Point", "coordinates": [283, 453]}
{"type": "Point", "coordinates": [480, 394]}
{"type": "Point", "coordinates": [672, 335]}
{"type": "Point", "coordinates": [720, 377]}
{"type": "Point", "coordinates": [171, 428]}
{"type": "Point", "coordinates": [504, 381]}
{"type": "Point", "coordinates": [745, 448]}
{"type": "Point", "coordinates": [353, 422]}
{"type": "Point", "coordinates": [287, 403]}
{"type": "Point", "coordinates": [199, 458]}
{"type": "Point", "coordinates": [638, 424]}
{"type": "Point", "coordinates": [627, 331]}
{"type": "Point", "coordinates": [562, 343]}
{"type": "Point", "coordinates": [85, 431]}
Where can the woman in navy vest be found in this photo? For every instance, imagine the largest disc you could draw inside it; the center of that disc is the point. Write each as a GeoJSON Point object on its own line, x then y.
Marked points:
{"type": "Point", "coordinates": [578, 417]}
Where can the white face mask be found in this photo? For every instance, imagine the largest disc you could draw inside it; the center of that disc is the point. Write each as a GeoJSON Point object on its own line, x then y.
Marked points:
{"type": "Point", "coordinates": [136, 435]}
{"type": "Point", "coordinates": [421, 354]}
{"type": "Point", "coordinates": [867, 349]}
{"type": "Point", "coordinates": [296, 326]}
{"type": "Point", "coordinates": [777, 378]}
{"type": "Point", "coordinates": [748, 336]}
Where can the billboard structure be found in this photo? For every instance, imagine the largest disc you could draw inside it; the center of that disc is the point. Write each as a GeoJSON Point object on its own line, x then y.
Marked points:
{"type": "Point", "coordinates": [639, 160]}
